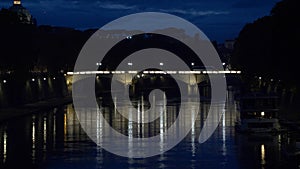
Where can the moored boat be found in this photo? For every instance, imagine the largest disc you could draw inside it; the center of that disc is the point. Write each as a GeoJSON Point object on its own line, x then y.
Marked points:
{"type": "Point", "coordinates": [258, 113]}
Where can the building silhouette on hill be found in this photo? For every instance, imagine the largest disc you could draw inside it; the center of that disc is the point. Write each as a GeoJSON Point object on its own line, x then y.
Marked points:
{"type": "Point", "coordinates": [23, 14]}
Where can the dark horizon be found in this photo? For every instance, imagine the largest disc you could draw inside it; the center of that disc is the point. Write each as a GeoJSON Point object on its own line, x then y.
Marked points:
{"type": "Point", "coordinates": [219, 20]}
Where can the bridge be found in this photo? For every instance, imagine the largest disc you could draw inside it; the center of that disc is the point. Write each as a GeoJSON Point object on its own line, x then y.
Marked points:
{"type": "Point", "coordinates": [190, 78]}
{"type": "Point", "coordinates": [126, 77]}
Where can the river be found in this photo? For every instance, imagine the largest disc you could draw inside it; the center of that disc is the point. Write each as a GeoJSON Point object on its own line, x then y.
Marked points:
{"type": "Point", "coordinates": [54, 139]}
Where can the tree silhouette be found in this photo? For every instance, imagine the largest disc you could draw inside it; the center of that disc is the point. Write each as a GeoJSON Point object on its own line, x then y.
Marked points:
{"type": "Point", "coordinates": [268, 47]}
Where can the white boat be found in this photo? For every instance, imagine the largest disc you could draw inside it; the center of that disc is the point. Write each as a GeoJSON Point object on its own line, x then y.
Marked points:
{"type": "Point", "coordinates": [258, 113]}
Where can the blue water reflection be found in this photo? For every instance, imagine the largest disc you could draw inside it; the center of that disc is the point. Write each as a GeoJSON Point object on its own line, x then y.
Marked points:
{"type": "Point", "coordinates": [55, 140]}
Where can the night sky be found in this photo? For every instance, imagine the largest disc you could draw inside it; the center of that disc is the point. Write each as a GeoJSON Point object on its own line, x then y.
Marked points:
{"type": "Point", "coordinates": [219, 19]}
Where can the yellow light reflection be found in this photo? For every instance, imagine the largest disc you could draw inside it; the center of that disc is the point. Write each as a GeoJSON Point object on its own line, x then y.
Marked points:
{"type": "Point", "coordinates": [263, 155]}
{"type": "Point", "coordinates": [33, 134]}
{"type": "Point", "coordinates": [65, 126]}
{"type": "Point", "coordinates": [139, 118]}
{"type": "Point", "coordinates": [45, 132]}
{"type": "Point", "coordinates": [161, 128]}
{"type": "Point", "coordinates": [193, 133]}
{"type": "Point", "coordinates": [4, 146]}
{"type": "Point", "coordinates": [33, 138]}
{"type": "Point", "coordinates": [143, 117]}
{"type": "Point", "coordinates": [99, 127]}
{"type": "Point", "coordinates": [130, 132]}
{"type": "Point", "coordinates": [224, 133]}
{"type": "Point", "coordinates": [54, 130]}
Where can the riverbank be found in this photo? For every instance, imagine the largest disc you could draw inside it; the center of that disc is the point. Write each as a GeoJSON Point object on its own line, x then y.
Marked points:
{"type": "Point", "coordinates": [9, 113]}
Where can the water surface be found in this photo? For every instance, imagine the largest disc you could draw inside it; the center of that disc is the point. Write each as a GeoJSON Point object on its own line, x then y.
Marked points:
{"type": "Point", "coordinates": [54, 139]}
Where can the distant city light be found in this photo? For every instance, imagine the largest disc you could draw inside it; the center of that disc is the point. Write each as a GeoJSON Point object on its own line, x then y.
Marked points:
{"type": "Point", "coordinates": [192, 64]}
{"type": "Point", "coordinates": [33, 79]}
{"type": "Point", "coordinates": [54, 78]}
{"type": "Point", "coordinates": [17, 2]}
{"type": "Point", "coordinates": [44, 78]}
{"type": "Point", "coordinates": [4, 81]}
{"type": "Point", "coordinates": [130, 64]}
{"type": "Point", "coordinates": [259, 78]}
{"type": "Point", "coordinates": [98, 64]}
{"type": "Point", "coordinates": [161, 64]}
{"type": "Point", "coordinates": [262, 113]}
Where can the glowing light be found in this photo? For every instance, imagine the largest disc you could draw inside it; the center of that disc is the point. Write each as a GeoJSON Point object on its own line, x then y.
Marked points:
{"type": "Point", "coordinates": [65, 126]}
{"type": "Point", "coordinates": [33, 138]}
{"type": "Point", "coordinates": [262, 113]}
{"type": "Point", "coordinates": [4, 146]}
{"type": "Point", "coordinates": [17, 2]}
{"type": "Point", "coordinates": [33, 79]}
{"type": "Point", "coordinates": [98, 64]}
{"type": "Point", "coordinates": [171, 72]}
{"type": "Point", "coordinates": [224, 64]}
{"type": "Point", "coordinates": [44, 78]}
{"type": "Point", "coordinates": [157, 72]}
{"type": "Point", "coordinates": [33, 134]}
{"type": "Point", "coordinates": [4, 81]}
{"type": "Point", "coordinates": [45, 130]}
{"type": "Point", "coordinates": [224, 71]}
{"type": "Point", "coordinates": [54, 78]}
{"type": "Point", "coordinates": [138, 76]}
{"type": "Point", "coordinates": [130, 64]}
{"type": "Point", "coordinates": [132, 72]}
{"type": "Point", "coordinates": [192, 64]}
{"type": "Point", "coordinates": [263, 155]}
{"type": "Point", "coordinates": [161, 64]}
{"type": "Point", "coordinates": [259, 78]}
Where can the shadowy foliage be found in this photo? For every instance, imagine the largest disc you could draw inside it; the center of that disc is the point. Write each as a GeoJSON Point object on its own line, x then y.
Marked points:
{"type": "Point", "coordinates": [24, 46]}
{"type": "Point", "coordinates": [269, 47]}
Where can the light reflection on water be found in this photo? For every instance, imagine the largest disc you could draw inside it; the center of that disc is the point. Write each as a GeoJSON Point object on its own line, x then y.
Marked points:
{"type": "Point", "coordinates": [55, 139]}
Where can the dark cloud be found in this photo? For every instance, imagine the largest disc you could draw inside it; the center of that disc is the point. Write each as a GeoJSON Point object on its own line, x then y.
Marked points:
{"type": "Point", "coordinates": [253, 3]}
